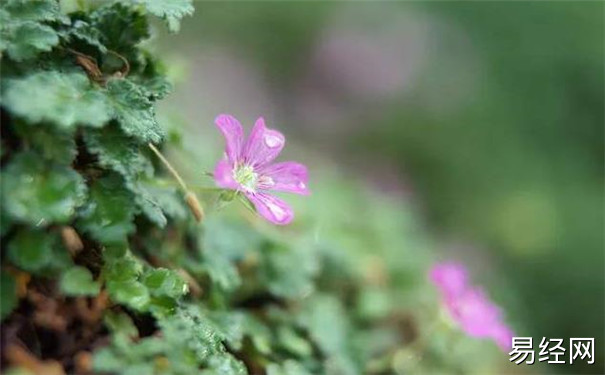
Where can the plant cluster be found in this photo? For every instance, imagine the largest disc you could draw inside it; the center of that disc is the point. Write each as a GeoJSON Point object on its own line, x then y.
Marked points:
{"type": "Point", "coordinates": [105, 269]}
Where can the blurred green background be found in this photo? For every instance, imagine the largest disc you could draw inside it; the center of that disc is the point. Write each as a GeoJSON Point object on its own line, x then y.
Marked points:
{"type": "Point", "coordinates": [486, 116]}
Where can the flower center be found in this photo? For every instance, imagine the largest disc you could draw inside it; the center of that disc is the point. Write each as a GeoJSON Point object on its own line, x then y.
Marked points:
{"type": "Point", "coordinates": [244, 175]}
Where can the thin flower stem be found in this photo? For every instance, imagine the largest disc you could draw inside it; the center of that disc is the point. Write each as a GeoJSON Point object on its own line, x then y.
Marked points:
{"type": "Point", "coordinates": [190, 197]}
{"type": "Point", "coordinates": [202, 189]}
{"type": "Point", "coordinates": [170, 168]}
{"type": "Point", "coordinates": [208, 189]}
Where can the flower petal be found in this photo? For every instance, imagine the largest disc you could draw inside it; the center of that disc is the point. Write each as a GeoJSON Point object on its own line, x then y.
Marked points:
{"type": "Point", "coordinates": [272, 208]}
{"type": "Point", "coordinates": [263, 145]}
{"type": "Point", "coordinates": [474, 312]}
{"type": "Point", "coordinates": [288, 176]}
{"type": "Point", "coordinates": [234, 136]}
{"type": "Point", "coordinates": [223, 175]}
{"type": "Point", "coordinates": [503, 337]}
{"type": "Point", "coordinates": [451, 278]}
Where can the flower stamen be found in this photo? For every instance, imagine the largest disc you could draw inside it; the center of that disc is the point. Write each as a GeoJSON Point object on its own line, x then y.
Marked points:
{"type": "Point", "coordinates": [245, 177]}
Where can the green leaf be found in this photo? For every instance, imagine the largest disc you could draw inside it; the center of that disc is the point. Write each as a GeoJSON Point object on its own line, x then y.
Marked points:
{"type": "Point", "coordinates": [293, 342]}
{"type": "Point", "coordinates": [229, 326]}
{"type": "Point", "coordinates": [289, 367]}
{"type": "Point", "coordinates": [134, 111]}
{"type": "Point", "coordinates": [289, 271]}
{"type": "Point", "coordinates": [161, 307]}
{"type": "Point", "coordinates": [108, 217]}
{"type": "Point", "coordinates": [61, 259]}
{"type": "Point", "coordinates": [157, 87]}
{"type": "Point", "coordinates": [116, 252]}
{"type": "Point", "coordinates": [34, 10]}
{"type": "Point", "coordinates": [120, 153]}
{"type": "Point", "coordinates": [152, 80]}
{"type": "Point", "coordinates": [170, 10]}
{"type": "Point", "coordinates": [374, 303]}
{"type": "Point", "coordinates": [52, 145]}
{"type": "Point", "coordinates": [329, 327]}
{"type": "Point", "coordinates": [232, 239]}
{"type": "Point", "coordinates": [37, 192]}
{"type": "Point", "coordinates": [188, 341]}
{"type": "Point", "coordinates": [121, 324]}
{"type": "Point", "coordinates": [224, 365]}
{"type": "Point", "coordinates": [190, 329]}
{"type": "Point", "coordinates": [121, 28]}
{"type": "Point", "coordinates": [22, 34]}
{"type": "Point", "coordinates": [259, 334]}
{"type": "Point", "coordinates": [116, 151]}
{"type": "Point", "coordinates": [124, 268]}
{"type": "Point", "coordinates": [169, 200]}
{"type": "Point", "coordinates": [28, 39]}
{"type": "Point", "coordinates": [327, 323]}
{"type": "Point", "coordinates": [127, 357]}
{"type": "Point", "coordinates": [149, 206]}
{"type": "Point", "coordinates": [84, 31]}
{"type": "Point", "coordinates": [8, 294]}
{"type": "Point", "coordinates": [5, 26]}
{"type": "Point", "coordinates": [64, 99]}
{"type": "Point", "coordinates": [31, 250]}
{"type": "Point", "coordinates": [225, 243]}
{"type": "Point", "coordinates": [78, 281]}
{"type": "Point", "coordinates": [130, 293]}
{"type": "Point", "coordinates": [221, 270]}
{"type": "Point", "coordinates": [121, 273]}
{"type": "Point", "coordinates": [164, 282]}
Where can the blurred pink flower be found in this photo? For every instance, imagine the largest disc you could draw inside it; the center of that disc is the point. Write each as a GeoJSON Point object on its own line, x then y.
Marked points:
{"type": "Point", "coordinates": [247, 168]}
{"type": "Point", "coordinates": [468, 306]}
{"type": "Point", "coordinates": [450, 278]}
{"type": "Point", "coordinates": [474, 312]}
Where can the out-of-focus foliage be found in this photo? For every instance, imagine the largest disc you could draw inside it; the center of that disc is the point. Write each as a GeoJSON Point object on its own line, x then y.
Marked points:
{"type": "Point", "coordinates": [102, 260]}
{"type": "Point", "coordinates": [489, 113]}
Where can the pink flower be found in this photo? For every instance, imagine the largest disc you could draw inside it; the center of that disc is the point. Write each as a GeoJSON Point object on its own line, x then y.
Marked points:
{"type": "Point", "coordinates": [449, 277]}
{"type": "Point", "coordinates": [468, 306]}
{"type": "Point", "coordinates": [248, 168]}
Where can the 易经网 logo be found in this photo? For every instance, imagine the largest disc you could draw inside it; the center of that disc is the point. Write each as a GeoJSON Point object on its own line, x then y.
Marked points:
{"type": "Point", "coordinates": [552, 351]}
